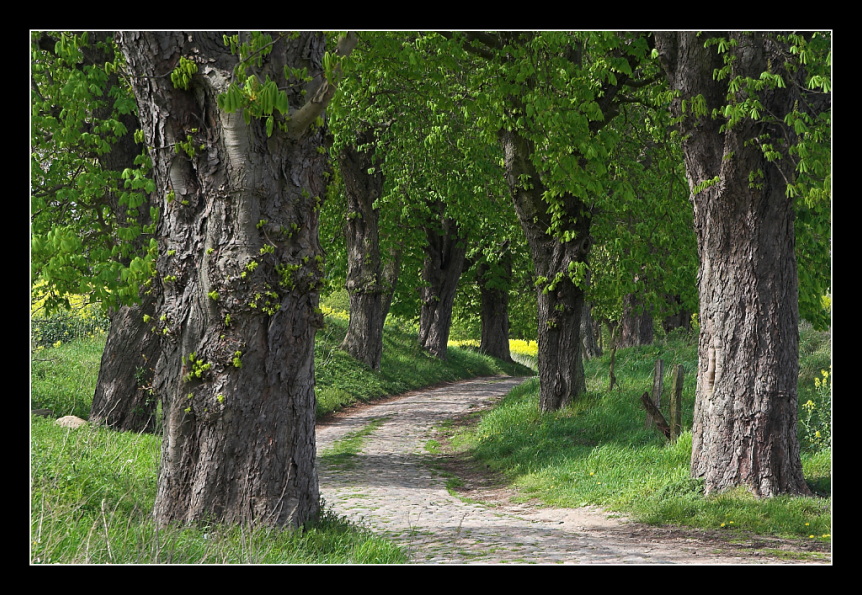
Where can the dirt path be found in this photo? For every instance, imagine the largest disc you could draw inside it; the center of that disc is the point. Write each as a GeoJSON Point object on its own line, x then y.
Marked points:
{"type": "Point", "coordinates": [396, 488]}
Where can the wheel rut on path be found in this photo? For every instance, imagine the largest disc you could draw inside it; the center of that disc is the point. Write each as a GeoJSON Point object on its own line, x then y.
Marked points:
{"type": "Point", "coordinates": [394, 488]}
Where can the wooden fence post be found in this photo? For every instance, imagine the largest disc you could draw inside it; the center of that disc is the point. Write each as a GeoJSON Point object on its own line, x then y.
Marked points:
{"type": "Point", "coordinates": [676, 402]}
{"type": "Point", "coordinates": [657, 384]}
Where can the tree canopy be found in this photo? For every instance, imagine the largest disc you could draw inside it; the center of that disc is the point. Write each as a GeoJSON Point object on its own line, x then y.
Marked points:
{"type": "Point", "coordinates": [91, 222]}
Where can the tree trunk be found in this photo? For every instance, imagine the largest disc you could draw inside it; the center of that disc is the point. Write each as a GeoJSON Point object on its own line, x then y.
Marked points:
{"type": "Point", "coordinates": [744, 429]}
{"type": "Point", "coordinates": [494, 308]}
{"type": "Point", "coordinates": [636, 324]}
{"type": "Point", "coordinates": [560, 300]}
{"type": "Point", "coordinates": [589, 332]}
{"type": "Point", "coordinates": [124, 398]}
{"type": "Point", "coordinates": [561, 367]}
{"type": "Point", "coordinates": [612, 377]}
{"type": "Point", "coordinates": [445, 254]}
{"type": "Point", "coordinates": [239, 269]}
{"type": "Point", "coordinates": [391, 272]}
{"type": "Point", "coordinates": [366, 287]}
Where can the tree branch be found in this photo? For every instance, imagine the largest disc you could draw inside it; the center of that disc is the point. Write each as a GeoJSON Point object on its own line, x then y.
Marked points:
{"type": "Point", "coordinates": [302, 118]}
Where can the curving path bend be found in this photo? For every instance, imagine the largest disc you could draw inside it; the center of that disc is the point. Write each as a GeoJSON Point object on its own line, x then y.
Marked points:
{"type": "Point", "coordinates": [392, 488]}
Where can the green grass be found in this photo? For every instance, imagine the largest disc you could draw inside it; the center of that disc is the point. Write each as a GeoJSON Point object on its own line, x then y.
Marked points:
{"type": "Point", "coordinates": [92, 494]}
{"type": "Point", "coordinates": [93, 489]}
{"type": "Point", "coordinates": [63, 378]}
{"type": "Point", "coordinates": [598, 452]}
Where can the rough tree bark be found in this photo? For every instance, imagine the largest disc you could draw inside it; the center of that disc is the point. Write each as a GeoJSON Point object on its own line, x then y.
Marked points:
{"type": "Point", "coordinates": [124, 398]}
{"type": "Point", "coordinates": [590, 329]}
{"type": "Point", "coordinates": [367, 286]}
{"type": "Point", "coordinates": [560, 309]}
{"type": "Point", "coordinates": [445, 255]}
{"type": "Point", "coordinates": [744, 429]}
{"type": "Point", "coordinates": [391, 272]}
{"type": "Point", "coordinates": [238, 275]}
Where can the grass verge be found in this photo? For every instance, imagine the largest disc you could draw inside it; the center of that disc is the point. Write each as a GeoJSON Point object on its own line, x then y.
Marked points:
{"type": "Point", "coordinates": [93, 490]}
{"type": "Point", "coordinates": [599, 452]}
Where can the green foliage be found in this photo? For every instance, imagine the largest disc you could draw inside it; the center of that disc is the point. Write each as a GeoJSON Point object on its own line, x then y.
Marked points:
{"type": "Point", "coordinates": [797, 142]}
{"type": "Point", "coordinates": [65, 326]}
{"type": "Point", "coordinates": [813, 228]}
{"type": "Point", "coordinates": [620, 158]}
{"type": "Point", "coordinates": [182, 75]}
{"type": "Point", "coordinates": [249, 94]}
{"type": "Point", "coordinates": [383, 78]}
{"type": "Point", "coordinates": [91, 225]}
{"type": "Point", "coordinates": [592, 107]}
{"type": "Point", "coordinates": [555, 81]}
{"type": "Point", "coordinates": [644, 241]}
{"type": "Point", "coordinates": [196, 367]}
{"type": "Point", "coordinates": [816, 419]}
{"type": "Point", "coordinates": [190, 147]}
{"type": "Point", "coordinates": [815, 389]}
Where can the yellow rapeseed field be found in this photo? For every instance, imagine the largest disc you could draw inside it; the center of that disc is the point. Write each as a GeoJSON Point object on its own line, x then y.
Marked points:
{"type": "Point", "coordinates": [516, 346]}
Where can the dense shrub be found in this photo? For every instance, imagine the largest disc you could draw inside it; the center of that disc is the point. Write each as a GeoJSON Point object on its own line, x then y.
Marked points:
{"type": "Point", "coordinates": [48, 328]}
{"type": "Point", "coordinates": [66, 326]}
